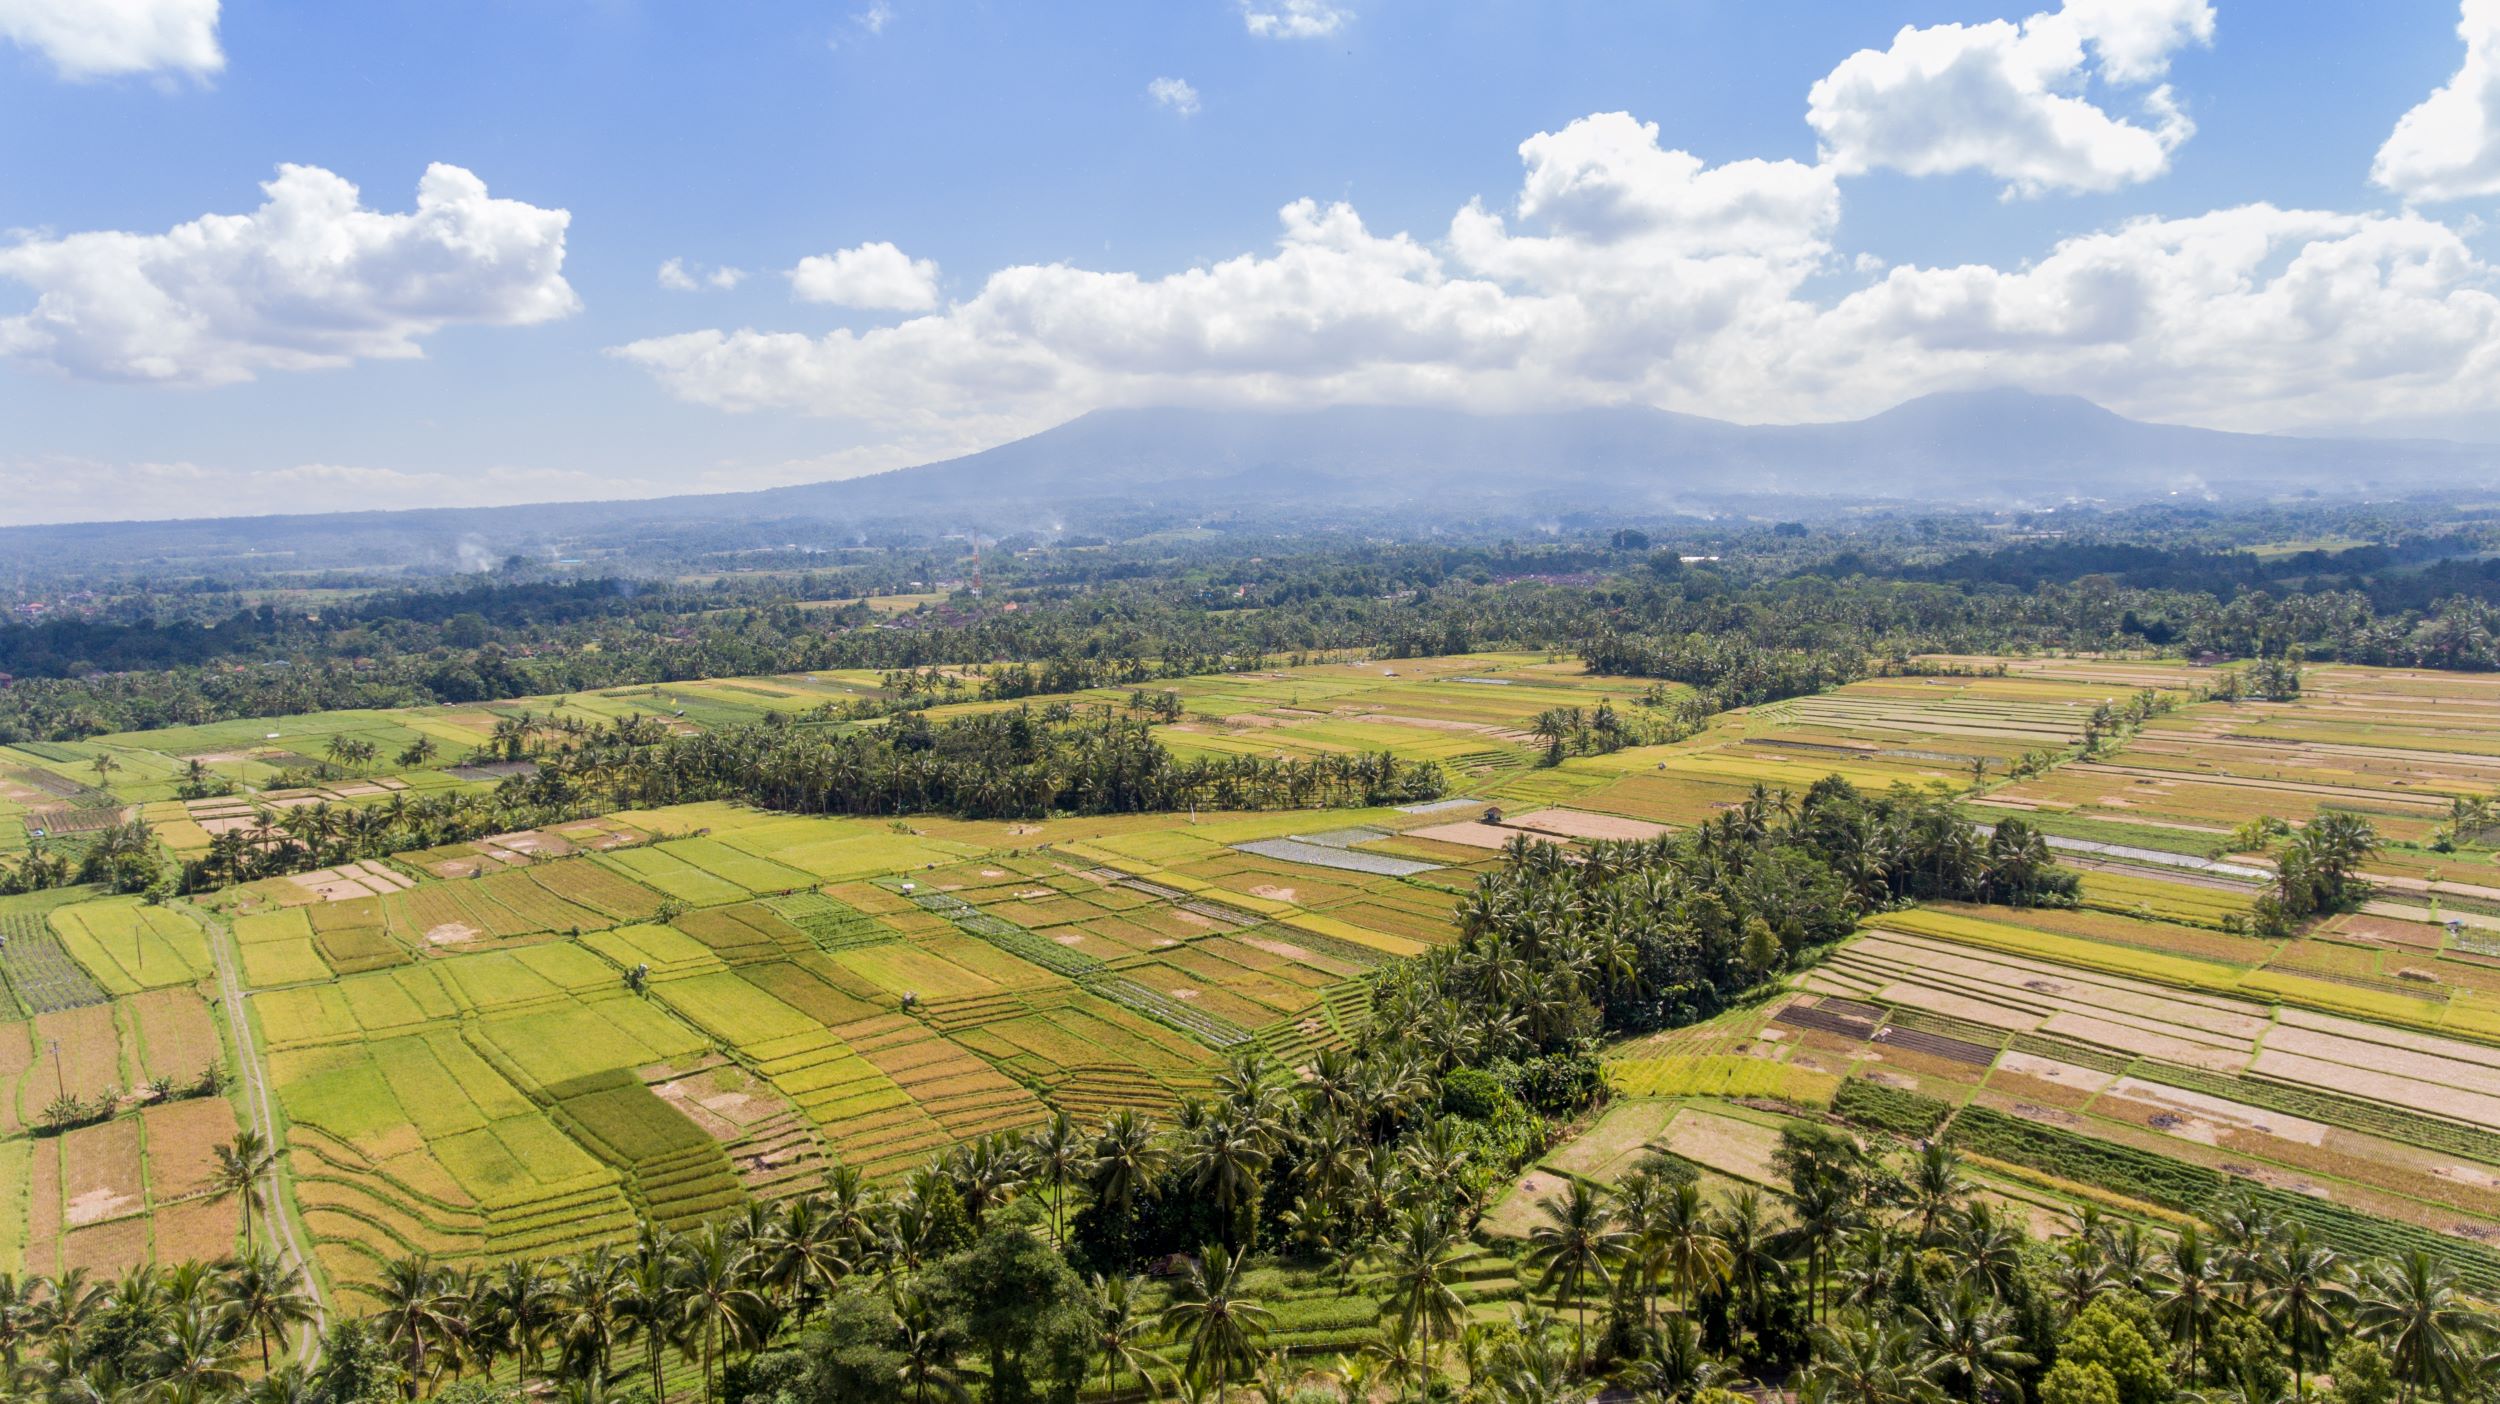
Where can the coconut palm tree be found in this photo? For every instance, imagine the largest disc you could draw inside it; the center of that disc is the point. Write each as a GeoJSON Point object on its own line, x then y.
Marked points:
{"type": "Point", "coordinates": [1126, 1158]}
{"type": "Point", "coordinates": [1676, 1366]}
{"type": "Point", "coordinates": [1224, 1161]}
{"type": "Point", "coordinates": [519, 1309]}
{"type": "Point", "coordinates": [1991, 1247]}
{"type": "Point", "coordinates": [1120, 1332]}
{"type": "Point", "coordinates": [803, 1256]}
{"type": "Point", "coordinates": [1859, 1361]}
{"type": "Point", "coordinates": [2301, 1294]}
{"type": "Point", "coordinates": [1058, 1156]}
{"type": "Point", "coordinates": [1825, 1208]}
{"type": "Point", "coordinates": [711, 1299]}
{"type": "Point", "coordinates": [2187, 1292]}
{"type": "Point", "coordinates": [195, 1358]}
{"type": "Point", "coordinates": [926, 1351]}
{"type": "Point", "coordinates": [259, 1295]}
{"type": "Point", "coordinates": [590, 1310]}
{"type": "Point", "coordinates": [1578, 1244]}
{"type": "Point", "coordinates": [419, 1317]}
{"type": "Point", "coordinates": [20, 1311]}
{"type": "Point", "coordinates": [2411, 1308]}
{"type": "Point", "coordinates": [1210, 1310]}
{"type": "Point", "coordinates": [1937, 1188]}
{"type": "Point", "coordinates": [2081, 1272]}
{"type": "Point", "coordinates": [1753, 1263]}
{"type": "Point", "coordinates": [647, 1307]}
{"type": "Point", "coordinates": [1689, 1246]}
{"type": "Point", "coordinates": [241, 1163]}
{"type": "Point", "coordinates": [1977, 1340]}
{"type": "Point", "coordinates": [1417, 1272]}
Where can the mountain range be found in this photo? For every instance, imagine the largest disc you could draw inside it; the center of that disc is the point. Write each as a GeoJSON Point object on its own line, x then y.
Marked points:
{"type": "Point", "coordinates": [1276, 468]}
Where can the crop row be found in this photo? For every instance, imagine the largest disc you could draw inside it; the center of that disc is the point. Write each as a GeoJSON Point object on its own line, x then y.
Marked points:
{"type": "Point", "coordinates": [40, 972]}
{"type": "Point", "coordinates": [1889, 1108]}
{"type": "Point", "coordinates": [2336, 1109]}
{"type": "Point", "coordinates": [2194, 1189]}
{"type": "Point", "coordinates": [1009, 937]}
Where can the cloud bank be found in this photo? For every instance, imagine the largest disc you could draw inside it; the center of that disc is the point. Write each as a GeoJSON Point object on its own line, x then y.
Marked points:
{"type": "Point", "coordinates": [311, 279]}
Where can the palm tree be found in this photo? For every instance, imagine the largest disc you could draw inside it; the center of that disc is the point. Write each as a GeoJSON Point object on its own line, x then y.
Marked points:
{"type": "Point", "coordinates": [805, 1254]}
{"type": "Point", "coordinates": [590, 1306]}
{"type": "Point", "coordinates": [258, 1295]}
{"type": "Point", "coordinates": [520, 1309]}
{"type": "Point", "coordinates": [1991, 1248]}
{"type": "Point", "coordinates": [1058, 1156]}
{"type": "Point", "coordinates": [1752, 1262]}
{"type": "Point", "coordinates": [2412, 1310]}
{"type": "Point", "coordinates": [1119, 1332]}
{"type": "Point", "coordinates": [1976, 1338]}
{"type": "Point", "coordinates": [1937, 1189]}
{"type": "Point", "coordinates": [1579, 1243]}
{"type": "Point", "coordinates": [1676, 1367]}
{"type": "Point", "coordinates": [418, 1315]}
{"type": "Point", "coordinates": [1689, 1246]}
{"type": "Point", "coordinates": [1127, 1157]}
{"type": "Point", "coordinates": [2301, 1294]}
{"type": "Point", "coordinates": [1417, 1272]}
{"type": "Point", "coordinates": [647, 1307]}
{"type": "Point", "coordinates": [2081, 1273]}
{"type": "Point", "coordinates": [1224, 1161]}
{"type": "Point", "coordinates": [240, 1165]}
{"type": "Point", "coordinates": [1863, 1362]}
{"type": "Point", "coordinates": [195, 1359]}
{"type": "Point", "coordinates": [20, 1311]}
{"type": "Point", "coordinates": [2187, 1292]}
{"type": "Point", "coordinates": [1825, 1209]}
{"type": "Point", "coordinates": [711, 1299]}
{"type": "Point", "coordinates": [1210, 1310]}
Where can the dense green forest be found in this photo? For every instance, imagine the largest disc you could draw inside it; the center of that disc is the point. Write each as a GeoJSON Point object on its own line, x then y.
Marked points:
{"type": "Point", "coordinates": [1765, 614]}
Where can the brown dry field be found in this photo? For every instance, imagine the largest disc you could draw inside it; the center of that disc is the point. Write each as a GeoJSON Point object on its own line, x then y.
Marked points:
{"type": "Point", "coordinates": [43, 1209]}
{"type": "Point", "coordinates": [1580, 824]}
{"type": "Point", "coordinates": [1739, 1148]}
{"type": "Point", "coordinates": [90, 1057]}
{"type": "Point", "coordinates": [107, 1250]}
{"type": "Point", "coordinates": [197, 1230]}
{"type": "Point", "coordinates": [107, 1175]}
{"type": "Point", "coordinates": [182, 1144]}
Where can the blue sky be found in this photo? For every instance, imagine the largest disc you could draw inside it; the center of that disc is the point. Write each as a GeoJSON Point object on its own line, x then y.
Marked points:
{"type": "Point", "coordinates": [2192, 210]}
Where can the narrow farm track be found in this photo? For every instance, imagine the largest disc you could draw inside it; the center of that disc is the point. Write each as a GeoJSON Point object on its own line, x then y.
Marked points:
{"type": "Point", "coordinates": [292, 1243]}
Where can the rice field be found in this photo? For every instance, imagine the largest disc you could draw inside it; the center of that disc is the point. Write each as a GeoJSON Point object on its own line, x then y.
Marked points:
{"type": "Point", "coordinates": [501, 1047]}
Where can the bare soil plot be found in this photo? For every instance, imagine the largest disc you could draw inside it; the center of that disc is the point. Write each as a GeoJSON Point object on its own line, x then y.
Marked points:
{"type": "Point", "coordinates": [1469, 834]}
{"type": "Point", "coordinates": [1742, 1149]}
{"type": "Point", "coordinates": [106, 1172]}
{"type": "Point", "coordinates": [1580, 824]}
{"type": "Point", "coordinates": [1606, 1150]}
{"type": "Point", "coordinates": [182, 1142]}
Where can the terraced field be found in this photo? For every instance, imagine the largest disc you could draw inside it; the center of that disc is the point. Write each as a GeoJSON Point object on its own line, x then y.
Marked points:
{"type": "Point", "coordinates": [516, 1044]}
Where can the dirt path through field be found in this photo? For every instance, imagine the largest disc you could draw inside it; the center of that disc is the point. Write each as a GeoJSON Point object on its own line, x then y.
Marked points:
{"type": "Point", "coordinates": [293, 1244]}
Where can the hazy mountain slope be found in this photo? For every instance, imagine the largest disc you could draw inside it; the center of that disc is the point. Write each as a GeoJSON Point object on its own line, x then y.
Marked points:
{"type": "Point", "coordinates": [2001, 446]}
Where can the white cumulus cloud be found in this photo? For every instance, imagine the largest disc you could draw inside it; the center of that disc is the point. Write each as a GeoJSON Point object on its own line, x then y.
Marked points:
{"type": "Point", "coordinates": [2010, 98]}
{"type": "Point", "coordinates": [1176, 94]}
{"type": "Point", "coordinates": [2448, 147]}
{"type": "Point", "coordinates": [108, 38]}
{"type": "Point", "coordinates": [1293, 19]}
{"type": "Point", "coordinates": [1625, 271]}
{"type": "Point", "coordinates": [877, 276]}
{"type": "Point", "coordinates": [677, 275]}
{"type": "Point", "coordinates": [310, 279]}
